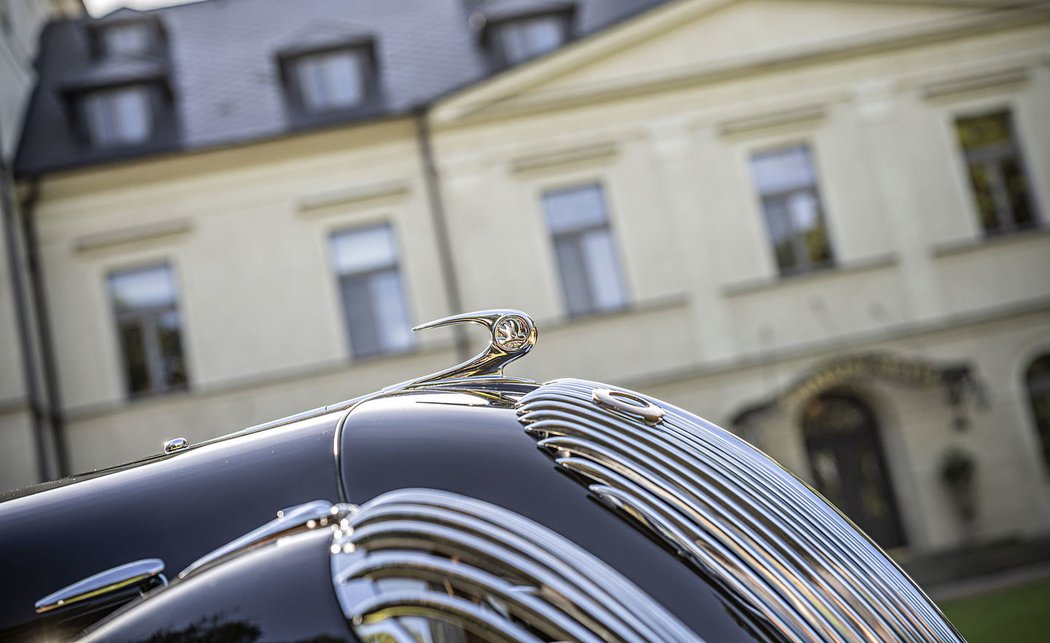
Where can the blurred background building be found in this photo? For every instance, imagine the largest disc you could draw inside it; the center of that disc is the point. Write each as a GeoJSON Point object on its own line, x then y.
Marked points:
{"type": "Point", "coordinates": [821, 224]}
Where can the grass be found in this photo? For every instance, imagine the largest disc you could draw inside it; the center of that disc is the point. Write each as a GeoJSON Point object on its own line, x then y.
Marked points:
{"type": "Point", "coordinates": [1016, 614]}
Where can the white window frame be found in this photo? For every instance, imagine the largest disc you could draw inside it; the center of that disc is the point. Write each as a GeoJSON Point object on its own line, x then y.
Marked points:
{"type": "Point", "coordinates": [323, 94]}
{"type": "Point", "coordinates": [105, 125]}
{"type": "Point", "coordinates": [808, 266]}
{"type": "Point", "coordinates": [1017, 148]}
{"type": "Point", "coordinates": [344, 279]}
{"type": "Point", "coordinates": [579, 236]}
{"type": "Point", "coordinates": [148, 321]}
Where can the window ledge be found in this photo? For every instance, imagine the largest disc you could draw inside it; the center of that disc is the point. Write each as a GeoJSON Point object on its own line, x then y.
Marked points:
{"type": "Point", "coordinates": [964, 246]}
{"type": "Point", "coordinates": [357, 195]}
{"type": "Point", "coordinates": [135, 234]}
{"type": "Point", "coordinates": [770, 283]}
{"type": "Point", "coordinates": [595, 152]}
{"type": "Point", "coordinates": [636, 308]}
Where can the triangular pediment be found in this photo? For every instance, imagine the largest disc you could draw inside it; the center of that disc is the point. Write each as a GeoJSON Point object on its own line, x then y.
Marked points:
{"type": "Point", "coordinates": [710, 34]}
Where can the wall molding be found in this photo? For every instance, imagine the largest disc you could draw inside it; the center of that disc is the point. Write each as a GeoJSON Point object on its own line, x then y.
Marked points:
{"type": "Point", "coordinates": [999, 79]}
{"type": "Point", "coordinates": [355, 196]}
{"type": "Point", "coordinates": [592, 152]}
{"type": "Point", "coordinates": [803, 115]}
{"type": "Point", "coordinates": [133, 234]}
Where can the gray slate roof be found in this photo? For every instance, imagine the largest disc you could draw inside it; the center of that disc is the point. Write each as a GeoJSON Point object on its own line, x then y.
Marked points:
{"type": "Point", "coordinates": [222, 69]}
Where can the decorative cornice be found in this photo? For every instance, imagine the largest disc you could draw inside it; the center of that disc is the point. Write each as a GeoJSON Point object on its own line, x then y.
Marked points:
{"type": "Point", "coordinates": [780, 118]}
{"type": "Point", "coordinates": [566, 156]}
{"type": "Point", "coordinates": [976, 82]}
{"type": "Point", "coordinates": [353, 196]}
{"type": "Point", "coordinates": [146, 232]}
{"type": "Point", "coordinates": [513, 94]}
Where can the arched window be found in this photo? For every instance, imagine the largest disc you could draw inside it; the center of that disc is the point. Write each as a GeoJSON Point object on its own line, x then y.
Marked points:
{"type": "Point", "coordinates": [1037, 381]}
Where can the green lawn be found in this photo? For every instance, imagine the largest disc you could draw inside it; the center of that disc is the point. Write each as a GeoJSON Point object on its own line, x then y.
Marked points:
{"type": "Point", "coordinates": [1015, 615]}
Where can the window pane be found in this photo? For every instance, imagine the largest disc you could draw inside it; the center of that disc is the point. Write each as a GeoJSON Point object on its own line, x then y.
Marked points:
{"type": "Point", "coordinates": [125, 39]}
{"type": "Point", "coordinates": [1016, 184]}
{"type": "Point", "coordinates": [136, 366]}
{"type": "Point", "coordinates": [330, 80]}
{"type": "Point", "coordinates": [131, 114]}
{"type": "Point", "coordinates": [778, 222]}
{"type": "Point", "coordinates": [524, 39]}
{"type": "Point", "coordinates": [585, 249]}
{"type": "Point", "coordinates": [118, 116]}
{"type": "Point", "coordinates": [363, 249]}
{"type": "Point", "coordinates": [391, 313]}
{"type": "Point", "coordinates": [575, 209]}
{"type": "Point", "coordinates": [173, 366]}
{"type": "Point", "coordinates": [375, 309]}
{"type": "Point", "coordinates": [149, 328]}
{"type": "Point", "coordinates": [607, 289]}
{"type": "Point", "coordinates": [998, 180]}
{"type": "Point", "coordinates": [794, 217]}
{"type": "Point", "coordinates": [138, 289]}
{"type": "Point", "coordinates": [360, 317]}
{"type": "Point", "coordinates": [783, 170]}
{"type": "Point", "coordinates": [573, 271]}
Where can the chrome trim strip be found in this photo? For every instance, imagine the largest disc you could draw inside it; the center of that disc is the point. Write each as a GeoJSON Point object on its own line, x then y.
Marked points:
{"type": "Point", "coordinates": [794, 562]}
{"type": "Point", "coordinates": [140, 573]}
{"type": "Point", "coordinates": [488, 567]}
{"type": "Point", "coordinates": [317, 513]}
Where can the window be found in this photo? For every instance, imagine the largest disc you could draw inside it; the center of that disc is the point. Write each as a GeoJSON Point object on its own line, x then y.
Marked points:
{"type": "Point", "coordinates": [377, 319]}
{"type": "Point", "coordinates": [149, 329]}
{"type": "Point", "coordinates": [525, 38]}
{"type": "Point", "coordinates": [1000, 186]}
{"type": "Point", "coordinates": [787, 184]}
{"type": "Point", "coordinates": [585, 250]}
{"type": "Point", "coordinates": [1037, 383]}
{"type": "Point", "coordinates": [126, 38]}
{"type": "Point", "coordinates": [118, 116]}
{"type": "Point", "coordinates": [330, 80]}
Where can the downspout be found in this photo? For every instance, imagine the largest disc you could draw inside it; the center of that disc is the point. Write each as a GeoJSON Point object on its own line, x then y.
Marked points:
{"type": "Point", "coordinates": [12, 232]}
{"type": "Point", "coordinates": [43, 320]}
{"type": "Point", "coordinates": [440, 221]}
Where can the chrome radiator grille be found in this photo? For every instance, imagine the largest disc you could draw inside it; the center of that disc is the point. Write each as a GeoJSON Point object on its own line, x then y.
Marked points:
{"type": "Point", "coordinates": [413, 563]}
{"type": "Point", "coordinates": [790, 559]}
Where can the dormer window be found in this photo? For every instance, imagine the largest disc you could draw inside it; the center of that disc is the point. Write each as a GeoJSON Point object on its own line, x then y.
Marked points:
{"type": "Point", "coordinates": [331, 80]}
{"type": "Point", "coordinates": [523, 38]}
{"type": "Point", "coordinates": [117, 116]}
{"type": "Point", "coordinates": [125, 38]}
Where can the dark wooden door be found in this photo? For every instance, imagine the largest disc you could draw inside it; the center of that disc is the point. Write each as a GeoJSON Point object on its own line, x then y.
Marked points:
{"type": "Point", "coordinates": [848, 465]}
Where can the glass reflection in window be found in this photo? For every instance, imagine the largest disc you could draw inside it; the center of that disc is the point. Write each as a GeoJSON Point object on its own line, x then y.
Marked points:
{"type": "Point", "coordinates": [787, 185]}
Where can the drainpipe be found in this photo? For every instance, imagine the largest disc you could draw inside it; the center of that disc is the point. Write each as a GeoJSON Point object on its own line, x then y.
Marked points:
{"type": "Point", "coordinates": [12, 232]}
{"type": "Point", "coordinates": [43, 320]}
{"type": "Point", "coordinates": [440, 221]}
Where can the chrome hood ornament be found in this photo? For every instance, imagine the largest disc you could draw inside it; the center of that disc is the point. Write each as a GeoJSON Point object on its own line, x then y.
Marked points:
{"type": "Point", "coordinates": [512, 335]}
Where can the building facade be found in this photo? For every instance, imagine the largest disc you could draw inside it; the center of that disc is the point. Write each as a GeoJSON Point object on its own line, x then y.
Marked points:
{"type": "Point", "coordinates": [22, 411]}
{"type": "Point", "coordinates": [822, 224]}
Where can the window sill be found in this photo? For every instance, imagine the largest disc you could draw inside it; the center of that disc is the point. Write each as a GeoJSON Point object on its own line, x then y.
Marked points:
{"type": "Point", "coordinates": [771, 283]}
{"type": "Point", "coordinates": [963, 246]}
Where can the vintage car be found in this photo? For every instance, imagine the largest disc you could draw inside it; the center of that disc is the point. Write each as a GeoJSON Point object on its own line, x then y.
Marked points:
{"type": "Point", "coordinates": [461, 506]}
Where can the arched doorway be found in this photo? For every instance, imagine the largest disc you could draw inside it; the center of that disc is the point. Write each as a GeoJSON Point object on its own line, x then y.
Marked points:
{"type": "Point", "coordinates": [845, 454]}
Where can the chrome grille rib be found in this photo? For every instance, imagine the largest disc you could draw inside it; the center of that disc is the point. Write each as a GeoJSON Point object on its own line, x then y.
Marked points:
{"type": "Point", "coordinates": [790, 559]}
{"type": "Point", "coordinates": [415, 562]}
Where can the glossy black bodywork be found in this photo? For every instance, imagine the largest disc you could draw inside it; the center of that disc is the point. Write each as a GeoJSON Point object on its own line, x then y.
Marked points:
{"type": "Point", "coordinates": [277, 592]}
{"type": "Point", "coordinates": [471, 443]}
{"type": "Point", "coordinates": [176, 507]}
{"type": "Point", "coordinates": [464, 439]}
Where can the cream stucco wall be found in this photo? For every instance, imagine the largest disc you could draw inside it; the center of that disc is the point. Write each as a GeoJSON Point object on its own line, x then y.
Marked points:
{"type": "Point", "coordinates": [664, 112]}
